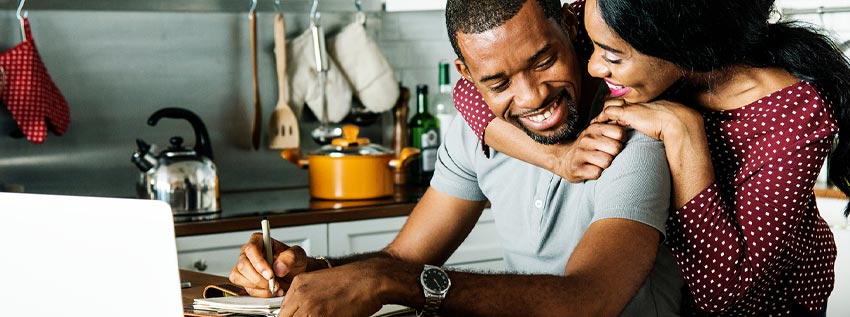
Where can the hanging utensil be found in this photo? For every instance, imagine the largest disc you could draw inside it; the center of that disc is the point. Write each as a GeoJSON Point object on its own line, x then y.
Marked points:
{"type": "Point", "coordinates": [326, 131]}
{"type": "Point", "coordinates": [283, 126]}
{"type": "Point", "coordinates": [258, 111]}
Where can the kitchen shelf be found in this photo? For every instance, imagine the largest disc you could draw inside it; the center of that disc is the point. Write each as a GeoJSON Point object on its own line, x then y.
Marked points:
{"type": "Point", "coordinates": [191, 5]}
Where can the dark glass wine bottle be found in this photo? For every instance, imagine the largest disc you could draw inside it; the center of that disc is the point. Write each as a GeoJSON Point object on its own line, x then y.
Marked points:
{"type": "Point", "coordinates": [425, 136]}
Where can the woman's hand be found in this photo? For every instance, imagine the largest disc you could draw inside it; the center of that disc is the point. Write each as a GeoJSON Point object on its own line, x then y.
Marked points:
{"type": "Point", "coordinates": [662, 120]}
{"type": "Point", "coordinates": [591, 152]}
{"type": "Point", "coordinates": [683, 133]}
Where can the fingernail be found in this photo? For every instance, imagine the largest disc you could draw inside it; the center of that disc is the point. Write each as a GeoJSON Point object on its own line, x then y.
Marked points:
{"type": "Point", "coordinates": [281, 268]}
{"type": "Point", "coordinates": [267, 274]}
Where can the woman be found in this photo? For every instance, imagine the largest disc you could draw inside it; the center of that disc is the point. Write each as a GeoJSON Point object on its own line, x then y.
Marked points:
{"type": "Point", "coordinates": [766, 102]}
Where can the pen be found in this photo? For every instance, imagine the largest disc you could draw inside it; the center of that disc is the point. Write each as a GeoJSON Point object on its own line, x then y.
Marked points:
{"type": "Point", "coordinates": [267, 245]}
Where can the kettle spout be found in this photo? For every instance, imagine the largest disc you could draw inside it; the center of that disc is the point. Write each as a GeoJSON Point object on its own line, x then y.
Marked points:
{"type": "Point", "coordinates": [142, 157]}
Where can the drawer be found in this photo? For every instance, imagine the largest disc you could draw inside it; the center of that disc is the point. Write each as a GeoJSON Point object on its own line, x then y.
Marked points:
{"type": "Point", "coordinates": [217, 253]}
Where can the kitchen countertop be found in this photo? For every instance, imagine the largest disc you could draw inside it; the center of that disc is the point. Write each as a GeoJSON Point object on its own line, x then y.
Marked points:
{"type": "Point", "coordinates": [294, 207]}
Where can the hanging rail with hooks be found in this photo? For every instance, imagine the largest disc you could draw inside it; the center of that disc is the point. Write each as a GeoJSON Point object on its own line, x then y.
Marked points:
{"type": "Point", "coordinates": [818, 10]}
{"type": "Point", "coordinates": [293, 6]}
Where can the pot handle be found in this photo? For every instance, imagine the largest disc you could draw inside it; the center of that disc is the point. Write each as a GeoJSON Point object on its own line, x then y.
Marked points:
{"type": "Point", "coordinates": [406, 155]}
{"type": "Point", "coordinates": [294, 156]}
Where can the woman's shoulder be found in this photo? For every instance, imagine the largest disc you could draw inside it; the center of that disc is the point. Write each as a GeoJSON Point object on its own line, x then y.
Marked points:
{"type": "Point", "coordinates": [796, 97]}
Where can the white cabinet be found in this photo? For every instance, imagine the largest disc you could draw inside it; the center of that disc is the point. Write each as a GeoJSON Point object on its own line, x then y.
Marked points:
{"type": "Point", "coordinates": [217, 253]}
{"type": "Point", "coordinates": [480, 250]}
{"type": "Point", "coordinates": [362, 236]}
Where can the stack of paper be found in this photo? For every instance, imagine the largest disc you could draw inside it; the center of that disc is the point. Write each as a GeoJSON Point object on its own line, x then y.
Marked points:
{"type": "Point", "coordinates": [246, 305]}
{"type": "Point", "coordinates": [240, 305]}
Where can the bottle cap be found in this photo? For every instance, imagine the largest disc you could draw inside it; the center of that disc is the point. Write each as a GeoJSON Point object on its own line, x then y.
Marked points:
{"type": "Point", "coordinates": [444, 73]}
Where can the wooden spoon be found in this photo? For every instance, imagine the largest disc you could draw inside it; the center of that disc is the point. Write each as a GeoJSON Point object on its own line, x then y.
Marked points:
{"type": "Point", "coordinates": [258, 111]}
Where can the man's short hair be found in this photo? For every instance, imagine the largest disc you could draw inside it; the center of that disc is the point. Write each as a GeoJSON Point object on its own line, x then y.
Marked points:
{"type": "Point", "coordinates": [477, 16]}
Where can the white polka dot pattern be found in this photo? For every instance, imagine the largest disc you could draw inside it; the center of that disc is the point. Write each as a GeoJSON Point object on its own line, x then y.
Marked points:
{"type": "Point", "coordinates": [29, 92]}
{"type": "Point", "coordinates": [753, 243]}
{"type": "Point", "coordinates": [472, 108]}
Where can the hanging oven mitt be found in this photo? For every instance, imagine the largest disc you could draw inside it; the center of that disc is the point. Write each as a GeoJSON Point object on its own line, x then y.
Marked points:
{"type": "Point", "coordinates": [304, 83]}
{"type": "Point", "coordinates": [365, 66]}
{"type": "Point", "coordinates": [30, 94]}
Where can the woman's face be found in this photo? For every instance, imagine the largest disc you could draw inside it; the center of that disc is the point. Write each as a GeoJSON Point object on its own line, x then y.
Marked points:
{"type": "Point", "coordinates": [630, 74]}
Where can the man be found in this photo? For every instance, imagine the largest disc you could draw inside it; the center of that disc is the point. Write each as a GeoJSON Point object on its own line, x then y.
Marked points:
{"type": "Point", "coordinates": [584, 249]}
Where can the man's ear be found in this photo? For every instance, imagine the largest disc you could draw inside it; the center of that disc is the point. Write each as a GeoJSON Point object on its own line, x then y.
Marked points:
{"type": "Point", "coordinates": [570, 20]}
{"type": "Point", "coordinates": [463, 70]}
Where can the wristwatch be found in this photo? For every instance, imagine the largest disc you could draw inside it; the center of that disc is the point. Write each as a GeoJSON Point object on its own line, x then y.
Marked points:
{"type": "Point", "coordinates": [435, 284]}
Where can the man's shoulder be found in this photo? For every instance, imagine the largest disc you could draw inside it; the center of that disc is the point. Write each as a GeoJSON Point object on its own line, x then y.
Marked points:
{"type": "Point", "coordinates": [641, 154]}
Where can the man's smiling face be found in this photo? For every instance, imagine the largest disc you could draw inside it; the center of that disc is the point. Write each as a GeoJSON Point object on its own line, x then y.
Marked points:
{"type": "Point", "coordinates": [527, 72]}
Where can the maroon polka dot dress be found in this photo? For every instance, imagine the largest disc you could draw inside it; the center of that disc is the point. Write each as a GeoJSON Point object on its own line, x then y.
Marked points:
{"type": "Point", "coordinates": [753, 243]}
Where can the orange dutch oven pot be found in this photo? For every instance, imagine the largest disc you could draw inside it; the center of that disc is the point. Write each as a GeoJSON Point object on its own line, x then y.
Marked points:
{"type": "Point", "coordinates": [351, 167]}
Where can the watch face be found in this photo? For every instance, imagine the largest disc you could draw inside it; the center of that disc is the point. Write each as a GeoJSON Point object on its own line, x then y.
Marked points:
{"type": "Point", "coordinates": [435, 281]}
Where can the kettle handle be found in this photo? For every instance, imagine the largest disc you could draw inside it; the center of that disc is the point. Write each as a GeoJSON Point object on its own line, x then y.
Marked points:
{"type": "Point", "coordinates": [202, 138]}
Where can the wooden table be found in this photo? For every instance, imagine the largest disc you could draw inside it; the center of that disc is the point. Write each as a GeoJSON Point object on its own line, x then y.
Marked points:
{"type": "Point", "coordinates": [199, 281]}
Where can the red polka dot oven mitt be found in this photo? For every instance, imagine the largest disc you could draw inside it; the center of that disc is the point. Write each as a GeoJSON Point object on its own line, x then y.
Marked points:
{"type": "Point", "coordinates": [30, 94]}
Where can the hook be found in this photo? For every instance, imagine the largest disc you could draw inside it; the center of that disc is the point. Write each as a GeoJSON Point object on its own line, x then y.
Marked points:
{"type": "Point", "coordinates": [277, 6]}
{"type": "Point", "coordinates": [21, 18]}
{"type": "Point", "coordinates": [360, 17]}
{"type": "Point", "coordinates": [820, 13]}
{"type": "Point", "coordinates": [253, 7]}
{"type": "Point", "coordinates": [314, 12]}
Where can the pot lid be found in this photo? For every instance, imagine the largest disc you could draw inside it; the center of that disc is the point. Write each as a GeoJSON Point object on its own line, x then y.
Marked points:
{"type": "Point", "coordinates": [350, 144]}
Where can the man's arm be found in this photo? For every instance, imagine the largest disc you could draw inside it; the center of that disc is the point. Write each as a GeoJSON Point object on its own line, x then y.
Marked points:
{"type": "Point", "coordinates": [435, 228]}
{"type": "Point", "coordinates": [605, 271]}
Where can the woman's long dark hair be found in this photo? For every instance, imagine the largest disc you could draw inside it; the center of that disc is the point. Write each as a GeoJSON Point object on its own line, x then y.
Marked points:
{"type": "Point", "coordinates": [707, 35]}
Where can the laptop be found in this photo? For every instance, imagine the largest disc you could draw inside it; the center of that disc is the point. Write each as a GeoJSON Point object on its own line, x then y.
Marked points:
{"type": "Point", "coordinates": [87, 256]}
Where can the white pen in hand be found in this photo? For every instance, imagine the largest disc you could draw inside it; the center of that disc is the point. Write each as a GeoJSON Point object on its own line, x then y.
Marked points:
{"type": "Point", "coordinates": [267, 245]}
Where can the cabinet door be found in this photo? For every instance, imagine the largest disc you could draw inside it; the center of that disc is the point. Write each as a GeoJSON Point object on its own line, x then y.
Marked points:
{"type": "Point", "coordinates": [362, 236]}
{"type": "Point", "coordinates": [480, 250]}
{"type": "Point", "coordinates": [217, 253]}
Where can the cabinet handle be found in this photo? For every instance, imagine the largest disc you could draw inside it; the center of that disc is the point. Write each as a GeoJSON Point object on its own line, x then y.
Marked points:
{"type": "Point", "coordinates": [201, 265]}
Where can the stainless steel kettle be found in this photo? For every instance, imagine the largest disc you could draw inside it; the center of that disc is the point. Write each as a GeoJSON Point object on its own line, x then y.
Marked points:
{"type": "Point", "coordinates": [185, 178]}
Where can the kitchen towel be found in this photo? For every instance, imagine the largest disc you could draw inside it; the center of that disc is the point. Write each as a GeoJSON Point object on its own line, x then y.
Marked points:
{"type": "Point", "coordinates": [304, 81]}
{"type": "Point", "coordinates": [365, 66]}
{"type": "Point", "coordinates": [29, 92]}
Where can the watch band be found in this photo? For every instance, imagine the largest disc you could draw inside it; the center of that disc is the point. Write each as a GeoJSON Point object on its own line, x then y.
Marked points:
{"type": "Point", "coordinates": [432, 304]}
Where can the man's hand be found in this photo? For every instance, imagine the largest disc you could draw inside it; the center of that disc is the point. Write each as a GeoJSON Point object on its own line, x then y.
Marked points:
{"type": "Point", "coordinates": [353, 289]}
{"type": "Point", "coordinates": [590, 154]}
{"type": "Point", "coordinates": [253, 272]}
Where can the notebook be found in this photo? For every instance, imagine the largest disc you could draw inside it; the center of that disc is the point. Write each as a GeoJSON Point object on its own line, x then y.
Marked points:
{"type": "Point", "coordinates": [269, 307]}
{"type": "Point", "coordinates": [86, 256]}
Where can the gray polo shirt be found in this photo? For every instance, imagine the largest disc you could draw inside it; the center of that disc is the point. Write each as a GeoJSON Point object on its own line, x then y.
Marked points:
{"type": "Point", "coordinates": [541, 217]}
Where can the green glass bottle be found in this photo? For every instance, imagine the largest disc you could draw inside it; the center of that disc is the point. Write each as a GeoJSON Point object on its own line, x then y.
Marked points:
{"type": "Point", "coordinates": [425, 136]}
